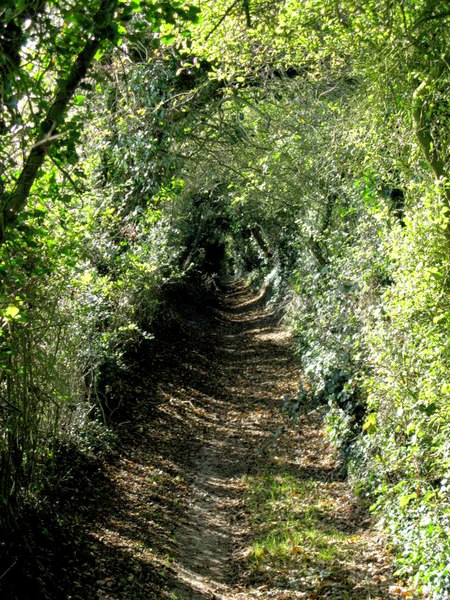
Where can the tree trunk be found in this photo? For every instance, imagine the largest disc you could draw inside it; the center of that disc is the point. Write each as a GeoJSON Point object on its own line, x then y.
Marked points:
{"type": "Point", "coordinates": [16, 200]}
{"type": "Point", "coordinates": [258, 235]}
{"type": "Point", "coordinates": [422, 126]}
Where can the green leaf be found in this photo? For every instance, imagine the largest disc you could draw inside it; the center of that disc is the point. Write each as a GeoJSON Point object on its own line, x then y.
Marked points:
{"type": "Point", "coordinates": [166, 39]}
{"type": "Point", "coordinates": [405, 500]}
{"type": "Point", "coordinates": [428, 409]}
{"type": "Point", "coordinates": [79, 100]}
{"type": "Point", "coordinates": [370, 424]}
{"type": "Point", "coordinates": [192, 14]}
{"type": "Point", "coordinates": [11, 312]}
{"type": "Point", "coordinates": [439, 318]}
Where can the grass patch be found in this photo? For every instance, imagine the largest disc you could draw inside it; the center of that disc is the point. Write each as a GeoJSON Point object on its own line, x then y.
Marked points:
{"type": "Point", "coordinates": [303, 538]}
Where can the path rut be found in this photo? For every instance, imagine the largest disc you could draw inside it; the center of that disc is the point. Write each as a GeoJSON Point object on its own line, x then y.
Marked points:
{"type": "Point", "coordinates": [251, 369]}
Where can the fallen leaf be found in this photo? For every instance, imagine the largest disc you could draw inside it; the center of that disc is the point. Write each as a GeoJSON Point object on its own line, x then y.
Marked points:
{"type": "Point", "coordinates": [401, 591]}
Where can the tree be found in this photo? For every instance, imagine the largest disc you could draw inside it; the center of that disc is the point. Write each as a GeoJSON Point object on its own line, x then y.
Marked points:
{"type": "Point", "coordinates": [58, 47]}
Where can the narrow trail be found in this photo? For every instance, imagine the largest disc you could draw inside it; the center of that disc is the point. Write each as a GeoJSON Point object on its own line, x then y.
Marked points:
{"type": "Point", "coordinates": [252, 367]}
{"type": "Point", "coordinates": [190, 507]}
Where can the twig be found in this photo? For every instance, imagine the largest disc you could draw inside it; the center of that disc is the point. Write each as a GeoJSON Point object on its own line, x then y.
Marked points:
{"type": "Point", "coordinates": [222, 19]}
{"type": "Point", "coordinates": [67, 175]}
{"type": "Point", "coordinates": [47, 139]}
{"type": "Point", "coordinates": [9, 569]}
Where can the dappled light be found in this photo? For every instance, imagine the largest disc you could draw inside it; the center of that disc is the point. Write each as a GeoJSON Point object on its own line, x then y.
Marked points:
{"type": "Point", "coordinates": [224, 299]}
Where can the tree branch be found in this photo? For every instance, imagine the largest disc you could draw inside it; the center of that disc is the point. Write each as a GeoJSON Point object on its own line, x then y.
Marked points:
{"type": "Point", "coordinates": [222, 19]}
{"type": "Point", "coordinates": [247, 13]}
{"type": "Point", "coordinates": [422, 127]}
{"type": "Point", "coordinates": [16, 200]}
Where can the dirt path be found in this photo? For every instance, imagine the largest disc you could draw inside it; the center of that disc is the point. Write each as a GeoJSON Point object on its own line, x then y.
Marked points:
{"type": "Point", "coordinates": [204, 500]}
{"type": "Point", "coordinates": [252, 367]}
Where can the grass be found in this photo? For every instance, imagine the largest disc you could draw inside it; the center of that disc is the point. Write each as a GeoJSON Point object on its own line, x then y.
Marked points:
{"type": "Point", "coordinates": [299, 540]}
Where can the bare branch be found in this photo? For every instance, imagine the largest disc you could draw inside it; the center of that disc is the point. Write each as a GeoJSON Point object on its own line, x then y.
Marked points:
{"type": "Point", "coordinates": [222, 19]}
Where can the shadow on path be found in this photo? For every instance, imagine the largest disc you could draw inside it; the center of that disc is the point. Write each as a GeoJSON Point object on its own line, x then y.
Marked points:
{"type": "Point", "coordinates": [167, 517]}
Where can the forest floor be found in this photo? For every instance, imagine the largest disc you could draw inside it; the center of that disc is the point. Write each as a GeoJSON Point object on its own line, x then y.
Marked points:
{"type": "Point", "coordinates": [212, 492]}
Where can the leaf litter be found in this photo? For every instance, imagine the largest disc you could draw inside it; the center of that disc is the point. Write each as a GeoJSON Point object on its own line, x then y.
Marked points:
{"type": "Point", "coordinates": [212, 492]}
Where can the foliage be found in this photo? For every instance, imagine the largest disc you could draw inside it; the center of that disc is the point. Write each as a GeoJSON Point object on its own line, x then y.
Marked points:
{"type": "Point", "coordinates": [83, 269]}
{"type": "Point", "coordinates": [308, 140]}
